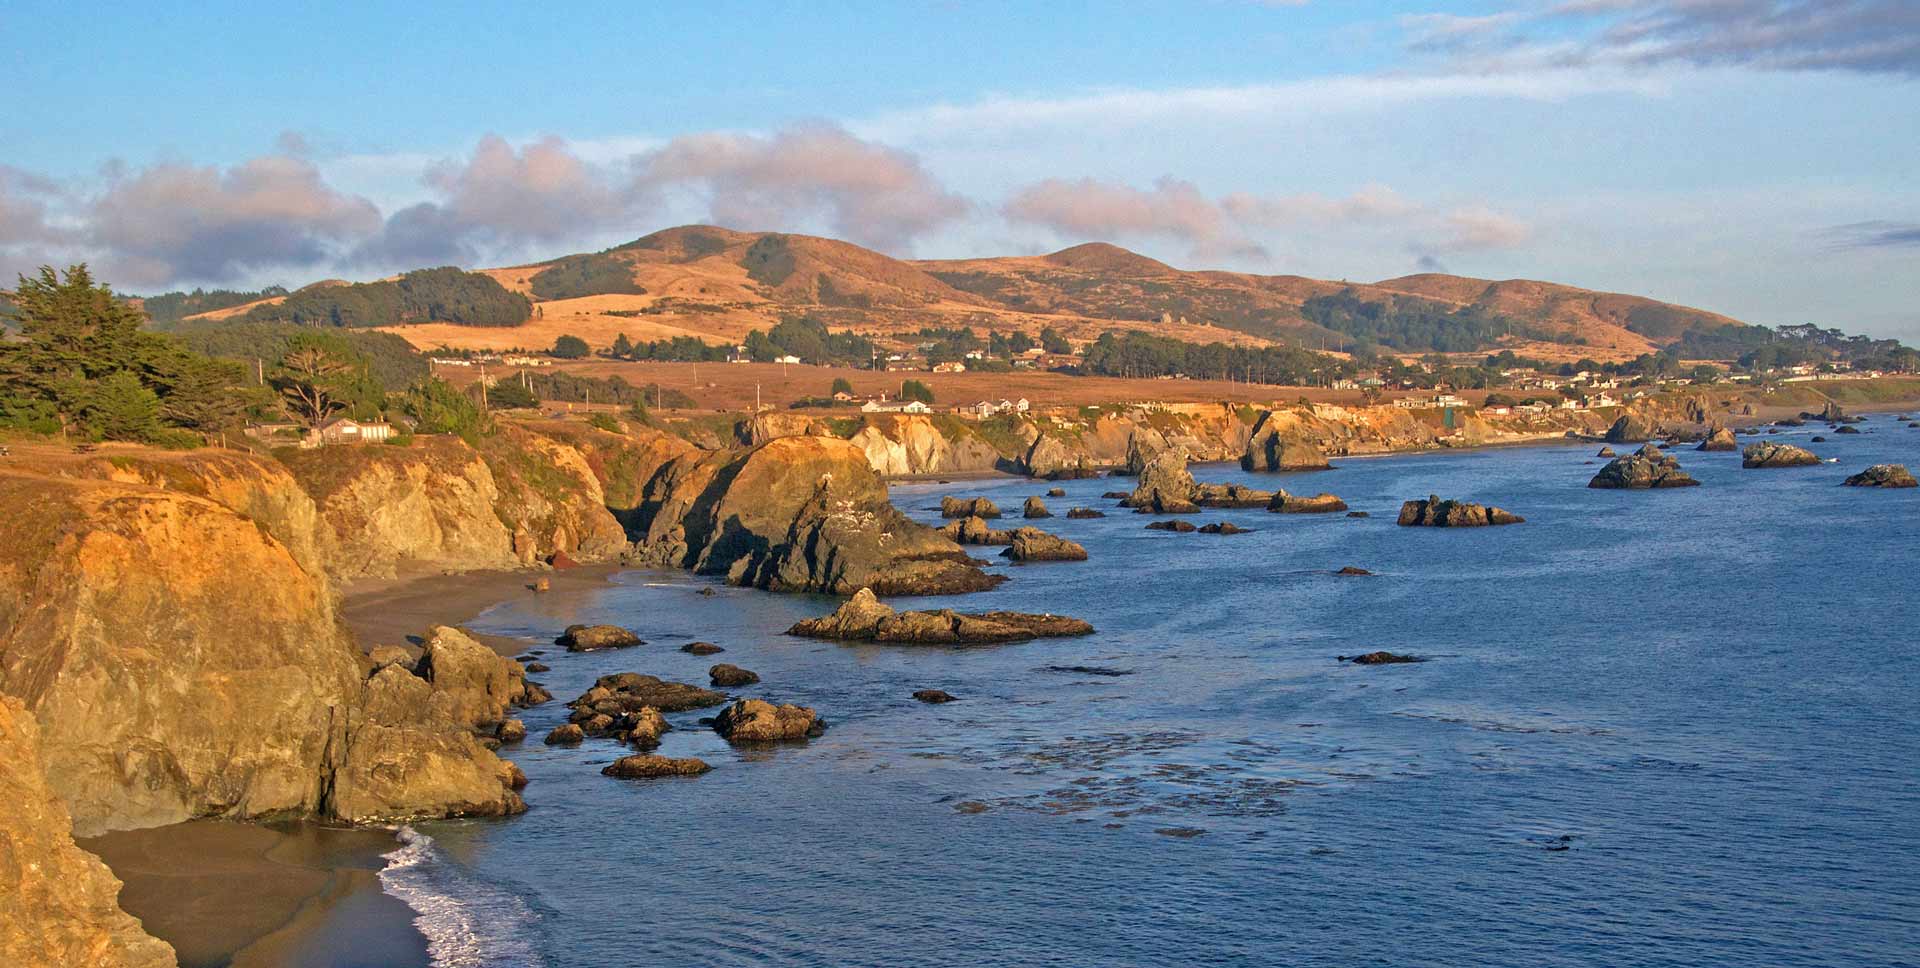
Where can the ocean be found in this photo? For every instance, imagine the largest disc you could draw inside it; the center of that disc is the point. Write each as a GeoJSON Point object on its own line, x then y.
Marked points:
{"type": "Point", "coordinates": [1674, 727]}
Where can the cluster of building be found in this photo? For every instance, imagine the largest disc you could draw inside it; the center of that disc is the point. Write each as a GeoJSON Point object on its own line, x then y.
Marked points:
{"type": "Point", "coordinates": [339, 430]}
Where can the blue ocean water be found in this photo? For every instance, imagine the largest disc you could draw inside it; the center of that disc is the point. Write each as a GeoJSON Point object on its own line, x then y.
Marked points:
{"type": "Point", "coordinates": [1657, 728]}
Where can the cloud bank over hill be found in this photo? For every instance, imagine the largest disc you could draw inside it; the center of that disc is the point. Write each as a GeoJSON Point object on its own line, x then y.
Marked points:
{"type": "Point", "coordinates": [1731, 153]}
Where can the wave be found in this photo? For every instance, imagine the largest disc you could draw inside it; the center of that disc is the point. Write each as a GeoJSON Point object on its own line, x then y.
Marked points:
{"type": "Point", "coordinates": [468, 923]}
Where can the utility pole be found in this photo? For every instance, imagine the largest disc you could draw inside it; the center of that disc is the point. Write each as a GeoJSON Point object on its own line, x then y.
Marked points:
{"type": "Point", "coordinates": [260, 371]}
{"type": "Point", "coordinates": [756, 398]}
{"type": "Point", "coordinates": [483, 388]}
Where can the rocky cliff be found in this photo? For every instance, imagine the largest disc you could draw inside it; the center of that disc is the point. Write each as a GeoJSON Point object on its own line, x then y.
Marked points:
{"type": "Point", "coordinates": [444, 504]}
{"type": "Point", "coordinates": [794, 514]}
{"type": "Point", "coordinates": [180, 662]}
{"type": "Point", "coordinates": [59, 905]}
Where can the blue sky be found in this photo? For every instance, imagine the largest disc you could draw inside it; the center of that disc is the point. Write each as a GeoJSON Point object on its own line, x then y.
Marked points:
{"type": "Point", "coordinates": [1748, 156]}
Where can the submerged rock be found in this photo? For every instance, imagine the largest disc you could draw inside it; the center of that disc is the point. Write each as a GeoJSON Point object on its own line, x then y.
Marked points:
{"type": "Point", "coordinates": [865, 618]}
{"type": "Point", "coordinates": [1380, 658]}
{"type": "Point", "coordinates": [1435, 513]}
{"type": "Point", "coordinates": [1284, 503]}
{"type": "Point", "coordinates": [646, 766]}
{"type": "Point", "coordinates": [1350, 570]}
{"type": "Point", "coordinates": [1883, 475]}
{"type": "Point", "coordinates": [593, 638]}
{"type": "Point", "coordinates": [1223, 527]}
{"type": "Point", "coordinates": [728, 676]}
{"type": "Point", "coordinates": [1769, 454]}
{"type": "Point", "coordinates": [759, 721]}
{"type": "Point", "coordinates": [1847, 429]}
{"type": "Point", "coordinates": [1056, 492]}
{"type": "Point", "coordinates": [1033, 544]}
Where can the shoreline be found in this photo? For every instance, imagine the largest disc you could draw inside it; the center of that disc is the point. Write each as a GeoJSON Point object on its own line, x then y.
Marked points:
{"type": "Point", "coordinates": [228, 894]}
{"type": "Point", "coordinates": [247, 895]}
{"type": "Point", "coordinates": [398, 611]}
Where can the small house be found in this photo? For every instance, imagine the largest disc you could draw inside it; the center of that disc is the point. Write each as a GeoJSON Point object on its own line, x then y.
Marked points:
{"type": "Point", "coordinates": [346, 430]}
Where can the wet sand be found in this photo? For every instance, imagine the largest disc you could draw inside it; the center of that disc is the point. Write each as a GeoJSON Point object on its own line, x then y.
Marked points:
{"type": "Point", "coordinates": [304, 895]}
{"type": "Point", "coordinates": [264, 896]}
{"type": "Point", "coordinates": [400, 611]}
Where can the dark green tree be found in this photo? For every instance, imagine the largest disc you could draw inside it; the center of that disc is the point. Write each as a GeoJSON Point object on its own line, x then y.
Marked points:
{"type": "Point", "coordinates": [570, 348]}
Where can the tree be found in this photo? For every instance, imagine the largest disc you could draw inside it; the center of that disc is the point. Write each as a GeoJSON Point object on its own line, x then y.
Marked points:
{"type": "Point", "coordinates": [622, 347]}
{"type": "Point", "coordinates": [570, 348]}
{"type": "Point", "coordinates": [916, 390]}
{"type": "Point", "coordinates": [73, 335]}
{"type": "Point", "coordinates": [1053, 342]}
{"type": "Point", "coordinates": [306, 382]}
{"type": "Point", "coordinates": [438, 407]}
{"type": "Point", "coordinates": [119, 407]}
{"type": "Point", "coordinates": [840, 385]}
{"type": "Point", "coordinates": [511, 395]}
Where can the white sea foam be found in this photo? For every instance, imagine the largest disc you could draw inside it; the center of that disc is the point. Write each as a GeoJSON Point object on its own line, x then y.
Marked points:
{"type": "Point", "coordinates": [467, 922]}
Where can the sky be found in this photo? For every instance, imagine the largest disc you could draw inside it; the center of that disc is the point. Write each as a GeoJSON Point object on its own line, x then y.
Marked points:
{"type": "Point", "coordinates": [1752, 157]}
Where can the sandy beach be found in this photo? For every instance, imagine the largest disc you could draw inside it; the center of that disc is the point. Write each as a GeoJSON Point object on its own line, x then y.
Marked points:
{"type": "Point", "coordinates": [305, 895]}
{"type": "Point", "coordinates": [256, 895]}
{"type": "Point", "coordinates": [400, 611]}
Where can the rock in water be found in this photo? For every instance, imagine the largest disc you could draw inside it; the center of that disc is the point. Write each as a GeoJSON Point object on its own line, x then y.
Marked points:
{"type": "Point", "coordinates": [1630, 428]}
{"type": "Point", "coordinates": [593, 638]}
{"type": "Point", "coordinates": [566, 734]}
{"type": "Point", "coordinates": [1720, 440]}
{"type": "Point", "coordinates": [1084, 513]}
{"type": "Point", "coordinates": [701, 648]}
{"type": "Point", "coordinates": [1769, 454]}
{"type": "Point", "coordinates": [1380, 658]}
{"type": "Point", "coordinates": [1351, 570]}
{"type": "Point", "coordinates": [1883, 475]}
{"type": "Point", "coordinates": [933, 696]}
{"type": "Point", "coordinates": [1178, 527]}
{"type": "Point", "coordinates": [646, 766]}
{"type": "Point", "coordinates": [968, 507]}
{"type": "Point", "coordinates": [1223, 527]}
{"type": "Point", "coordinates": [799, 514]}
{"type": "Point", "coordinates": [865, 618]}
{"type": "Point", "coordinates": [1035, 508]}
{"type": "Point", "coordinates": [728, 676]}
{"type": "Point", "coordinates": [759, 721]}
{"type": "Point", "coordinates": [1056, 492]}
{"type": "Point", "coordinates": [624, 694]}
{"type": "Point", "coordinates": [1284, 503]}
{"type": "Point", "coordinates": [1277, 446]}
{"type": "Point", "coordinates": [1606, 452]}
{"type": "Point", "coordinates": [1165, 486]}
{"type": "Point", "coordinates": [1033, 544]}
{"type": "Point", "coordinates": [1847, 429]}
{"type": "Point", "coordinates": [1435, 513]}
{"type": "Point", "coordinates": [1648, 469]}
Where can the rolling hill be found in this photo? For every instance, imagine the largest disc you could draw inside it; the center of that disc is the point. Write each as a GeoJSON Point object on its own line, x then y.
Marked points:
{"type": "Point", "coordinates": [717, 284]}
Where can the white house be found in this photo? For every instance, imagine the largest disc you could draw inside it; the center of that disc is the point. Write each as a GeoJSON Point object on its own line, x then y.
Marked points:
{"type": "Point", "coordinates": [788, 358]}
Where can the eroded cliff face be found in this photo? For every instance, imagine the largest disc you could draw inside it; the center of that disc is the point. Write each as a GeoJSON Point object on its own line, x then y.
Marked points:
{"type": "Point", "coordinates": [181, 663]}
{"type": "Point", "coordinates": [445, 505]}
{"type": "Point", "coordinates": [59, 905]}
{"type": "Point", "coordinates": [795, 514]}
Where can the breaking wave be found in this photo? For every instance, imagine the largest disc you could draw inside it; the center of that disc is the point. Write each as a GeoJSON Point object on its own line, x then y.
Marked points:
{"type": "Point", "coordinates": [468, 923]}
